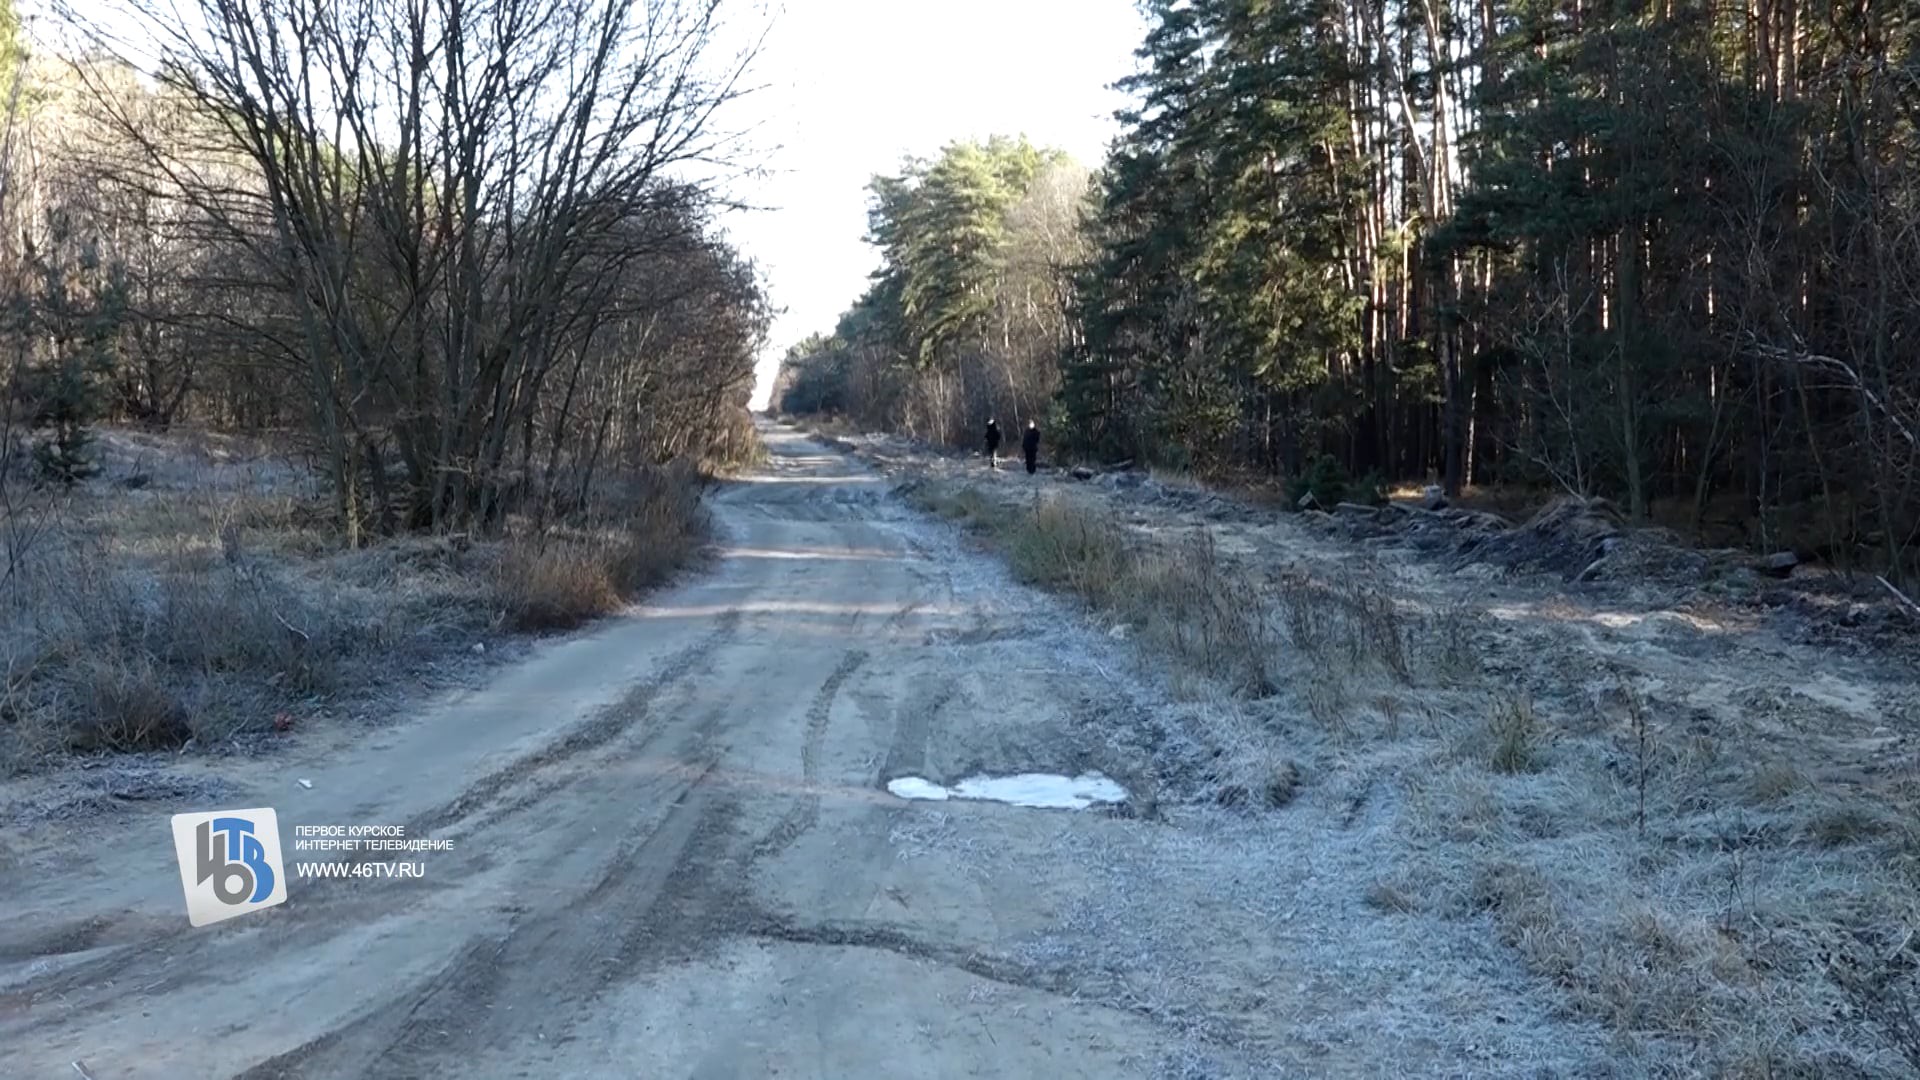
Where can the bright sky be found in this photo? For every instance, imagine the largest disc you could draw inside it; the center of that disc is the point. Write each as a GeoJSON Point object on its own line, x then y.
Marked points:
{"type": "Point", "coordinates": [855, 85]}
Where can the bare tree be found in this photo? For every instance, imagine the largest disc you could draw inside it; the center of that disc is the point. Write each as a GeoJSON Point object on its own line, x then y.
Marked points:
{"type": "Point", "coordinates": [447, 192]}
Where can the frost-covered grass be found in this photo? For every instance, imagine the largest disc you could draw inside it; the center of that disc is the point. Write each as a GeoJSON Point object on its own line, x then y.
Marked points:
{"type": "Point", "coordinates": [1523, 834]}
{"type": "Point", "coordinates": [198, 591]}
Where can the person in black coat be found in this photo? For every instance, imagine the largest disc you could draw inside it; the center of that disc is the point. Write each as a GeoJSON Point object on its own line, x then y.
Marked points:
{"type": "Point", "coordinates": [993, 444]}
{"type": "Point", "coordinates": [1030, 447]}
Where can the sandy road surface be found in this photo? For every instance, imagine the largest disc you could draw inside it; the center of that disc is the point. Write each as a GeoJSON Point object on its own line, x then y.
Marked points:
{"type": "Point", "coordinates": [675, 857]}
{"type": "Point", "coordinates": [672, 856]}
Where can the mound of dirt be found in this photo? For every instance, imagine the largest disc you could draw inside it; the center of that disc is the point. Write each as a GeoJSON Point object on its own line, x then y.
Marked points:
{"type": "Point", "coordinates": [1437, 533]}
{"type": "Point", "coordinates": [1568, 537]}
{"type": "Point", "coordinates": [1576, 539]}
{"type": "Point", "coordinates": [1190, 499]}
{"type": "Point", "coordinates": [1589, 540]}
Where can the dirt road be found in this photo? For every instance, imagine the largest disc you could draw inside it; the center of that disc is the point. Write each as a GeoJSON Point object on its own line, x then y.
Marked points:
{"type": "Point", "coordinates": [674, 855]}
{"type": "Point", "coordinates": [671, 855]}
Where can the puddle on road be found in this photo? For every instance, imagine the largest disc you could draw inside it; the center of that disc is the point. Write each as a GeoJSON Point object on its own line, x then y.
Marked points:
{"type": "Point", "coordinates": [1044, 790]}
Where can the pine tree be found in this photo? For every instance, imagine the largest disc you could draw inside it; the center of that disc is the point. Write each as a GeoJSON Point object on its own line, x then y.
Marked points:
{"type": "Point", "coordinates": [75, 314]}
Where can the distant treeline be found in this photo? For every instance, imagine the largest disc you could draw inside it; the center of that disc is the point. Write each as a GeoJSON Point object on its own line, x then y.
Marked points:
{"type": "Point", "coordinates": [1664, 252]}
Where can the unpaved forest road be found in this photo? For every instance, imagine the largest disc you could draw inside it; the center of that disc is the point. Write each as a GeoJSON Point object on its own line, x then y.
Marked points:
{"type": "Point", "coordinates": [674, 855]}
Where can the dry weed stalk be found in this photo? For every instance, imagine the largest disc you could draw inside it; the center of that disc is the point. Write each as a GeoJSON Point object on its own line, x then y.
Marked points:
{"type": "Point", "coordinates": [1643, 752]}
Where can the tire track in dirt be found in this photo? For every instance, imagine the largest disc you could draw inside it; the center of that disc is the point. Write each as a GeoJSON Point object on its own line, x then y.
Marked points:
{"type": "Point", "coordinates": [987, 965]}
{"type": "Point", "coordinates": [913, 720]}
{"type": "Point", "coordinates": [820, 713]}
{"type": "Point", "coordinates": [651, 900]}
{"type": "Point", "coordinates": [1080, 985]}
{"type": "Point", "coordinates": [605, 726]}
{"type": "Point", "coordinates": [806, 812]}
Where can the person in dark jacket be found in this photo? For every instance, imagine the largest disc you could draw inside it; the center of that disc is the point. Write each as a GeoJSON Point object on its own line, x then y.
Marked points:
{"type": "Point", "coordinates": [993, 444]}
{"type": "Point", "coordinates": [1030, 447]}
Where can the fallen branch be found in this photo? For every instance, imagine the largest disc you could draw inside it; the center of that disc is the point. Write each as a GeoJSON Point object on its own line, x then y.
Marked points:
{"type": "Point", "coordinates": [1852, 381]}
{"type": "Point", "coordinates": [1903, 597]}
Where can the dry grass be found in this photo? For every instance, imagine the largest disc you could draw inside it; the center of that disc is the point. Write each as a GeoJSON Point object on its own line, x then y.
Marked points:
{"type": "Point", "coordinates": [1214, 619]}
{"type": "Point", "coordinates": [1186, 600]}
{"type": "Point", "coordinates": [562, 577]}
{"type": "Point", "coordinates": [737, 447]}
{"type": "Point", "coordinates": [1060, 546]}
{"type": "Point", "coordinates": [546, 583]}
{"type": "Point", "coordinates": [146, 620]}
{"type": "Point", "coordinates": [1706, 937]}
{"type": "Point", "coordinates": [1356, 621]}
{"type": "Point", "coordinates": [1514, 732]}
{"type": "Point", "coordinates": [963, 505]}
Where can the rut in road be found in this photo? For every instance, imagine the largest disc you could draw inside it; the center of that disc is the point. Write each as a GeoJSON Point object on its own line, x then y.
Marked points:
{"type": "Point", "coordinates": [498, 991]}
{"type": "Point", "coordinates": [806, 812]}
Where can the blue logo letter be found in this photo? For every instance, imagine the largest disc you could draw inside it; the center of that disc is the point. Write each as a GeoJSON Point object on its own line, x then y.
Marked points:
{"type": "Point", "coordinates": [245, 859]}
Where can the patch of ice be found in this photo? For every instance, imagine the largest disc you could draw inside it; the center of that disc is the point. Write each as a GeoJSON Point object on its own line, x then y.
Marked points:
{"type": "Point", "coordinates": [1046, 791]}
{"type": "Point", "coordinates": [912, 787]}
{"type": "Point", "coordinates": [1043, 790]}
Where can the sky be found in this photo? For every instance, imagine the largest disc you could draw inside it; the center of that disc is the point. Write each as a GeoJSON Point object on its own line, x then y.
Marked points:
{"type": "Point", "coordinates": [854, 86]}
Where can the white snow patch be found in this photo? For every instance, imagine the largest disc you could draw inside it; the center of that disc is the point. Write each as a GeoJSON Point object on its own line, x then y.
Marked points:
{"type": "Point", "coordinates": [1043, 790]}
{"type": "Point", "coordinates": [912, 787]}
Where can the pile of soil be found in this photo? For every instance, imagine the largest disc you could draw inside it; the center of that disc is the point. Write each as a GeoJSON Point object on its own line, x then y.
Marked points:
{"type": "Point", "coordinates": [1588, 540]}
{"type": "Point", "coordinates": [1578, 540]}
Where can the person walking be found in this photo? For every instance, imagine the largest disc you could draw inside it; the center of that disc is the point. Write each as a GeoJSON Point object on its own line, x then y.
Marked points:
{"type": "Point", "coordinates": [1030, 447]}
{"type": "Point", "coordinates": [993, 444]}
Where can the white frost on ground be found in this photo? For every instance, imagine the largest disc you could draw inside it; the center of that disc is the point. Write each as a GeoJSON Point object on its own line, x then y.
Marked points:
{"type": "Point", "coordinates": [1046, 791]}
{"type": "Point", "coordinates": [1248, 939]}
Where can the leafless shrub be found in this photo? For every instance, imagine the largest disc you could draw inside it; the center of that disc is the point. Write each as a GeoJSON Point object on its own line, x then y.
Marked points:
{"type": "Point", "coordinates": [105, 654]}
{"type": "Point", "coordinates": [1454, 654]}
{"type": "Point", "coordinates": [1326, 696]}
{"type": "Point", "coordinates": [1379, 628]}
{"type": "Point", "coordinates": [575, 310]}
{"type": "Point", "coordinates": [1188, 600]}
{"type": "Point", "coordinates": [1311, 613]}
{"type": "Point", "coordinates": [659, 526]}
{"type": "Point", "coordinates": [1642, 752]}
{"type": "Point", "coordinates": [146, 623]}
{"type": "Point", "coordinates": [126, 703]}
